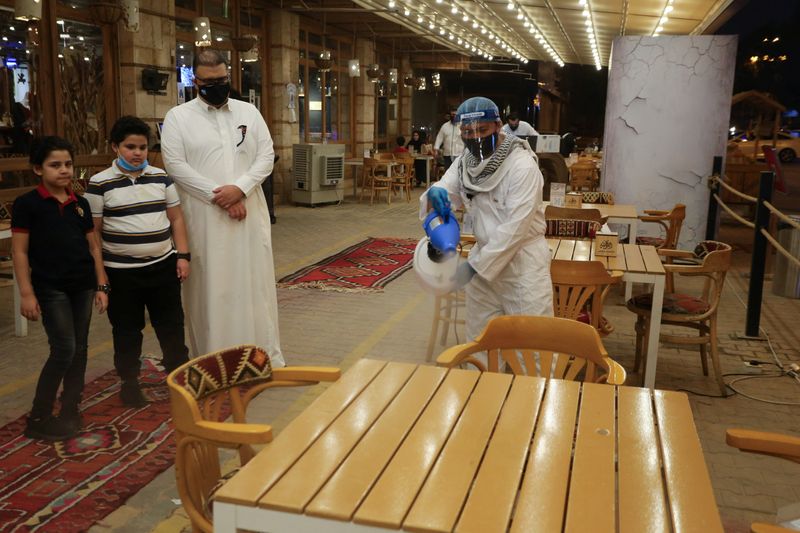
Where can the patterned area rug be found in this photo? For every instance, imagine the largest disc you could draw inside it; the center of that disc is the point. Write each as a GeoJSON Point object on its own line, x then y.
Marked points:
{"type": "Point", "coordinates": [364, 267]}
{"type": "Point", "coordinates": [70, 485]}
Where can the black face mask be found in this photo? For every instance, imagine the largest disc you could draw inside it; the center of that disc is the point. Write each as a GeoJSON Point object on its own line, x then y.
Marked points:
{"type": "Point", "coordinates": [513, 126]}
{"type": "Point", "coordinates": [482, 147]}
{"type": "Point", "coordinates": [215, 94]}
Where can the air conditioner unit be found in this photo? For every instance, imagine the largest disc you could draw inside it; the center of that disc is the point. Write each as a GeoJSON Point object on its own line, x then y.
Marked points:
{"type": "Point", "coordinates": [317, 173]}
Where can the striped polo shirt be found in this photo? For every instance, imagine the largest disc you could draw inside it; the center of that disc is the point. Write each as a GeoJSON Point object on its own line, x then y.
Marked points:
{"type": "Point", "coordinates": [136, 230]}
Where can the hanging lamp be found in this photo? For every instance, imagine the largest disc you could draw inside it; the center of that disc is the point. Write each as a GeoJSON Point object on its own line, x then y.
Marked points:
{"type": "Point", "coordinates": [28, 9]}
{"type": "Point", "coordinates": [202, 31]}
{"type": "Point", "coordinates": [324, 61]}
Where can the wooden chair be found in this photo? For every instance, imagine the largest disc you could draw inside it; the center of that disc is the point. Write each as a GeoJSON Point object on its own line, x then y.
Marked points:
{"type": "Point", "coordinates": [404, 177]}
{"type": "Point", "coordinates": [584, 175]}
{"type": "Point", "coordinates": [774, 444]}
{"type": "Point", "coordinates": [376, 180]}
{"type": "Point", "coordinates": [579, 289]}
{"type": "Point", "coordinates": [572, 223]}
{"type": "Point", "coordinates": [446, 307]}
{"type": "Point", "coordinates": [671, 221]}
{"type": "Point", "coordinates": [549, 346]}
{"type": "Point", "coordinates": [712, 261]}
{"type": "Point", "coordinates": [202, 392]}
{"type": "Point", "coordinates": [597, 197]}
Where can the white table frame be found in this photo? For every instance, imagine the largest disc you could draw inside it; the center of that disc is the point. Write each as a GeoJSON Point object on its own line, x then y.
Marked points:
{"type": "Point", "coordinates": [229, 517]}
{"type": "Point", "coordinates": [427, 158]}
{"type": "Point", "coordinates": [20, 322]}
{"type": "Point", "coordinates": [654, 333]}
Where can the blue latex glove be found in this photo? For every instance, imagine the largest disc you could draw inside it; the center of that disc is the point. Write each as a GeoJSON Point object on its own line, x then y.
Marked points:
{"type": "Point", "coordinates": [464, 273]}
{"type": "Point", "coordinates": [440, 201]}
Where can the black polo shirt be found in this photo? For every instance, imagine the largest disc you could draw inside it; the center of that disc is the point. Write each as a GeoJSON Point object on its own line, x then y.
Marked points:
{"type": "Point", "coordinates": [58, 251]}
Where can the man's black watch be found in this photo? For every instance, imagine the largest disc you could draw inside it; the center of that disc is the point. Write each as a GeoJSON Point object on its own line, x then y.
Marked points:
{"type": "Point", "coordinates": [186, 256]}
{"type": "Point", "coordinates": [106, 288]}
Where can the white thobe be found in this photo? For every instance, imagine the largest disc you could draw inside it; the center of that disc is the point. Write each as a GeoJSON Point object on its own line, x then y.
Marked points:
{"type": "Point", "coordinates": [449, 139]}
{"type": "Point", "coordinates": [523, 130]}
{"type": "Point", "coordinates": [230, 295]}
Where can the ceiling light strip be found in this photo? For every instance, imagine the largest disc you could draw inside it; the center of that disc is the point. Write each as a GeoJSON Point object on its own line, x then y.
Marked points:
{"type": "Point", "coordinates": [522, 57]}
{"type": "Point", "coordinates": [588, 19]}
{"type": "Point", "coordinates": [663, 19]}
{"type": "Point", "coordinates": [561, 27]}
{"type": "Point", "coordinates": [535, 31]}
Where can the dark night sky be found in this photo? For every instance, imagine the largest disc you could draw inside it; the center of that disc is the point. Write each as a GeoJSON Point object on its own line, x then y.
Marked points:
{"type": "Point", "coordinates": [761, 19]}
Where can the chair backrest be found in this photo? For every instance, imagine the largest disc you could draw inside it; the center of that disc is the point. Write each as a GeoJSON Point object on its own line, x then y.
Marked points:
{"type": "Point", "coordinates": [583, 174]}
{"type": "Point", "coordinates": [385, 156]}
{"type": "Point", "coordinates": [714, 261]}
{"type": "Point", "coordinates": [544, 346]}
{"type": "Point", "coordinates": [568, 222]}
{"type": "Point", "coordinates": [671, 221]}
{"type": "Point", "coordinates": [373, 169]}
{"type": "Point", "coordinates": [554, 170]}
{"type": "Point", "coordinates": [578, 283]}
{"type": "Point", "coordinates": [597, 197]}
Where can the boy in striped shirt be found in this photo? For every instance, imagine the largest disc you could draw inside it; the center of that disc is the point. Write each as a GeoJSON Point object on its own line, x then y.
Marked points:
{"type": "Point", "coordinates": [137, 216]}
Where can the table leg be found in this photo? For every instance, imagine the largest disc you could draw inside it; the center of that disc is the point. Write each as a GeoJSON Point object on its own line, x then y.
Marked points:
{"type": "Point", "coordinates": [654, 333]}
{"type": "Point", "coordinates": [20, 322]}
{"type": "Point", "coordinates": [224, 517]}
{"type": "Point", "coordinates": [428, 174]}
{"type": "Point", "coordinates": [632, 228]}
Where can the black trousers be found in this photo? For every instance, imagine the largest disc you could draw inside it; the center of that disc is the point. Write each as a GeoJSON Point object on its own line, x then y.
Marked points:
{"type": "Point", "coordinates": [155, 287]}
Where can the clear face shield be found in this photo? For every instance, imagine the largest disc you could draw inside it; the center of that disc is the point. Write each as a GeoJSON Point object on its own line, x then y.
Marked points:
{"type": "Point", "coordinates": [480, 137]}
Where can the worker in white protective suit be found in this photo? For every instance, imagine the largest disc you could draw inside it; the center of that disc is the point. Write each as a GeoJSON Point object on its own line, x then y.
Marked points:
{"type": "Point", "coordinates": [497, 180]}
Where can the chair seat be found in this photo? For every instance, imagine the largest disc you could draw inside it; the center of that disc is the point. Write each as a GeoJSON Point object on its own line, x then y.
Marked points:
{"type": "Point", "coordinates": [676, 304]}
{"type": "Point", "coordinates": [658, 242]}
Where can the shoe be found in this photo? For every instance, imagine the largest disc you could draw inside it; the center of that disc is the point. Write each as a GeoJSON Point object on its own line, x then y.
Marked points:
{"type": "Point", "coordinates": [48, 428]}
{"type": "Point", "coordinates": [71, 419]}
{"type": "Point", "coordinates": [131, 394]}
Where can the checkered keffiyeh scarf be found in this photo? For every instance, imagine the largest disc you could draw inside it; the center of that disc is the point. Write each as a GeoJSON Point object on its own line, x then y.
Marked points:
{"type": "Point", "coordinates": [484, 175]}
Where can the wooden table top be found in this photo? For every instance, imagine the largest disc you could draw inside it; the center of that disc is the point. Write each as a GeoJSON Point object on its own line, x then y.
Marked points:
{"type": "Point", "coordinates": [630, 257]}
{"type": "Point", "coordinates": [396, 445]}
{"type": "Point", "coordinates": [611, 210]}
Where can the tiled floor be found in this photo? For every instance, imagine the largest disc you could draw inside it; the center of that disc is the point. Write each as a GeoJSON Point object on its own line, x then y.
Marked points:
{"type": "Point", "coordinates": [328, 328]}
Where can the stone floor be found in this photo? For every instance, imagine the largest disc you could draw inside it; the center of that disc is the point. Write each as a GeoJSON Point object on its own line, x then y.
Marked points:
{"type": "Point", "coordinates": [327, 328]}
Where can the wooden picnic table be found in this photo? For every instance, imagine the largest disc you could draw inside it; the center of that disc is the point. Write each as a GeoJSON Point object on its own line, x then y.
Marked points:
{"type": "Point", "coordinates": [420, 448]}
{"type": "Point", "coordinates": [638, 264]}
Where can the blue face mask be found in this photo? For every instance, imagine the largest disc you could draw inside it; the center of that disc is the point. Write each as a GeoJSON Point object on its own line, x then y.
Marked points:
{"type": "Point", "coordinates": [124, 165]}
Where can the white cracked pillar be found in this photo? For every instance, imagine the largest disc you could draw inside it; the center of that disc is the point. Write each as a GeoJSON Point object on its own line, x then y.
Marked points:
{"type": "Point", "coordinates": [667, 114]}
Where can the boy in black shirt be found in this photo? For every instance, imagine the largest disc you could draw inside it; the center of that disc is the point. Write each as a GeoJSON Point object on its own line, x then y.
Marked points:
{"type": "Point", "coordinates": [59, 270]}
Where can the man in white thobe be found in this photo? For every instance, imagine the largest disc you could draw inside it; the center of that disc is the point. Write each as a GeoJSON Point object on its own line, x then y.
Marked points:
{"type": "Point", "coordinates": [517, 127]}
{"type": "Point", "coordinates": [448, 140]}
{"type": "Point", "coordinates": [218, 151]}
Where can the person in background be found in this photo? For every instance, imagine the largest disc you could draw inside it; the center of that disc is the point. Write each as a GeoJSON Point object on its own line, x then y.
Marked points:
{"type": "Point", "coordinates": [138, 218]}
{"type": "Point", "coordinates": [498, 182]}
{"type": "Point", "coordinates": [420, 165]}
{"type": "Point", "coordinates": [448, 140]}
{"type": "Point", "coordinates": [415, 143]}
{"type": "Point", "coordinates": [218, 151]}
{"type": "Point", "coordinates": [400, 148]}
{"type": "Point", "coordinates": [517, 127]}
{"type": "Point", "coordinates": [59, 272]}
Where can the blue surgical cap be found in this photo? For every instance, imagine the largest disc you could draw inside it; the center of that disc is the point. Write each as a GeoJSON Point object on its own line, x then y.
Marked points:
{"type": "Point", "coordinates": [477, 109]}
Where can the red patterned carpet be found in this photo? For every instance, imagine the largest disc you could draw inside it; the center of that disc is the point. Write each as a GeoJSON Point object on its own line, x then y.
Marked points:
{"type": "Point", "coordinates": [364, 267]}
{"type": "Point", "coordinates": [70, 485]}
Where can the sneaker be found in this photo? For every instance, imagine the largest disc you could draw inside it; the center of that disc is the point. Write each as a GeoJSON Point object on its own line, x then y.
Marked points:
{"type": "Point", "coordinates": [131, 394]}
{"type": "Point", "coordinates": [48, 428]}
{"type": "Point", "coordinates": [72, 419]}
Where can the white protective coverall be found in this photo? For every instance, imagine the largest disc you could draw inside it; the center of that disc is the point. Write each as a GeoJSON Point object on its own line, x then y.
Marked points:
{"type": "Point", "coordinates": [511, 257]}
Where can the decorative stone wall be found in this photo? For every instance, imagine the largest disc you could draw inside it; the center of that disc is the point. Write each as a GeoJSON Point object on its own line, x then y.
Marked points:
{"type": "Point", "coordinates": [284, 32]}
{"type": "Point", "coordinates": [667, 113]}
{"type": "Point", "coordinates": [153, 46]}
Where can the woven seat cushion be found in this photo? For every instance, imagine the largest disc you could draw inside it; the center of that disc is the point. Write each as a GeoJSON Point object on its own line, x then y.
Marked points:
{"type": "Point", "coordinates": [650, 241]}
{"type": "Point", "coordinates": [676, 304]}
{"type": "Point", "coordinates": [213, 492]}
{"type": "Point", "coordinates": [225, 369]}
{"type": "Point", "coordinates": [561, 227]}
{"type": "Point", "coordinates": [597, 197]}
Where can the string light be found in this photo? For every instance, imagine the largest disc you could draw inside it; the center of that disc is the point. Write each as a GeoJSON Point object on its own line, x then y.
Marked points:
{"type": "Point", "coordinates": [663, 19]}
{"type": "Point", "coordinates": [590, 31]}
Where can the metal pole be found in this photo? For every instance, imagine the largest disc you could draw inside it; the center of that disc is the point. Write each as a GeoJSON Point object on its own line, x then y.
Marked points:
{"type": "Point", "coordinates": [757, 267]}
{"type": "Point", "coordinates": [712, 222]}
